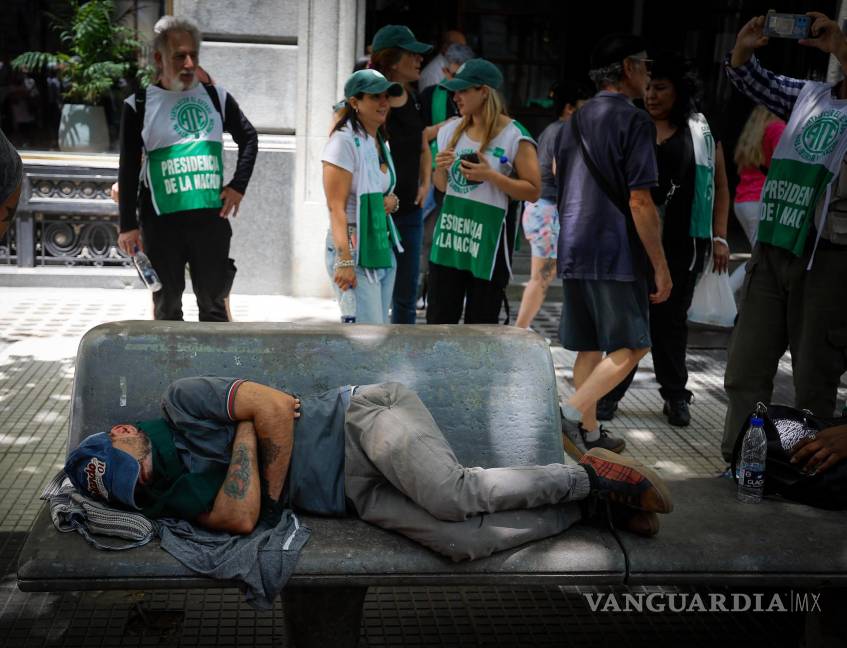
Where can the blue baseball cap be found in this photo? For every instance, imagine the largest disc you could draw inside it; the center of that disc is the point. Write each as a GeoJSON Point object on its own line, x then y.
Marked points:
{"type": "Point", "coordinates": [100, 470]}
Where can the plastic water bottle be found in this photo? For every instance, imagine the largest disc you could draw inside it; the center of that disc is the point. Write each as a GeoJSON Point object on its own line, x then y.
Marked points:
{"type": "Point", "coordinates": [754, 450]}
{"type": "Point", "coordinates": [348, 306]}
{"type": "Point", "coordinates": [505, 166]}
{"type": "Point", "coordinates": [146, 272]}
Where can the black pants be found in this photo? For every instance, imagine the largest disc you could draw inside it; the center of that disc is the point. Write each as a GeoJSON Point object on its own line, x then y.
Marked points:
{"type": "Point", "coordinates": [448, 289]}
{"type": "Point", "coordinates": [669, 334]}
{"type": "Point", "coordinates": [200, 239]}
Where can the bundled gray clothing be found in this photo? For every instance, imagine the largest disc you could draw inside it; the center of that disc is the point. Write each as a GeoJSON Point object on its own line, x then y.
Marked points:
{"type": "Point", "coordinates": [263, 561]}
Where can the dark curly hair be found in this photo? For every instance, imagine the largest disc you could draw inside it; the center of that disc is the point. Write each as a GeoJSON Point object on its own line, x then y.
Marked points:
{"type": "Point", "coordinates": [682, 74]}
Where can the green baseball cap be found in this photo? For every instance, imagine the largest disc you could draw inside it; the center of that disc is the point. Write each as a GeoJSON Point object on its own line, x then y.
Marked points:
{"type": "Point", "coordinates": [370, 82]}
{"type": "Point", "coordinates": [398, 36]}
{"type": "Point", "coordinates": [474, 73]}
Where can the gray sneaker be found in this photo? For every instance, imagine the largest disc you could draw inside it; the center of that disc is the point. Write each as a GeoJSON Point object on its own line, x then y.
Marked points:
{"type": "Point", "coordinates": [606, 441]}
{"type": "Point", "coordinates": [572, 439]}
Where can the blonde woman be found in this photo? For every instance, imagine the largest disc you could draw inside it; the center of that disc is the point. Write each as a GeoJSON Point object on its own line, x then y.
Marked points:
{"type": "Point", "coordinates": [753, 155]}
{"type": "Point", "coordinates": [485, 160]}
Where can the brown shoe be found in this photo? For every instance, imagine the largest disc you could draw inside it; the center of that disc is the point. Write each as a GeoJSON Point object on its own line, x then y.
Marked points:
{"type": "Point", "coordinates": [622, 480]}
{"type": "Point", "coordinates": [643, 523]}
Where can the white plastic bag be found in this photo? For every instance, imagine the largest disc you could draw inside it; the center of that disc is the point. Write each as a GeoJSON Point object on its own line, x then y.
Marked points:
{"type": "Point", "coordinates": [713, 302]}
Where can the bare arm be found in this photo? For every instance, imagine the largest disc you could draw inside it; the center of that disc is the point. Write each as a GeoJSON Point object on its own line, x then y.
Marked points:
{"type": "Point", "coordinates": [647, 225]}
{"type": "Point", "coordinates": [237, 505]}
{"type": "Point", "coordinates": [337, 184]}
{"type": "Point", "coordinates": [272, 414]}
{"type": "Point", "coordinates": [720, 218]}
{"type": "Point", "coordinates": [425, 180]}
{"type": "Point", "coordinates": [443, 161]}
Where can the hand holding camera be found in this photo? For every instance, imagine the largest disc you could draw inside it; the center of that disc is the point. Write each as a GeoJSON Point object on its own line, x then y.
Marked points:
{"type": "Point", "coordinates": [812, 29]}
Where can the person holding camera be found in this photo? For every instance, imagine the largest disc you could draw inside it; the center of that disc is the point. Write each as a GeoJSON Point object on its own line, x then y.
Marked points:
{"type": "Point", "coordinates": [792, 298]}
{"type": "Point", "coordinates": [485, 159]}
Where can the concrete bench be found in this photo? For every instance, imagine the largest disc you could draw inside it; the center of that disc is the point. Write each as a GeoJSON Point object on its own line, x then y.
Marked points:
{"type": "Point", "coordinates": [491, 389]}
{"type": "Point", "coordinates": [493, 392]}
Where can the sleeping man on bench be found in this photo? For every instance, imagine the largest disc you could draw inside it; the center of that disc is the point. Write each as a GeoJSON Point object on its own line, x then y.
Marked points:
{"type": "Point", "coordinates": [228, 451]}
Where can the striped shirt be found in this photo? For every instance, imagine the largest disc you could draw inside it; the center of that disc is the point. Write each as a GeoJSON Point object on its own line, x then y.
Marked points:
{"type": "Point", "coordinates": [775, 92]}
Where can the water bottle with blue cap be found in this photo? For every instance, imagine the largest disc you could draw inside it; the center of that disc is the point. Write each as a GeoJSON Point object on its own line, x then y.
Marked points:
{"type": "Point", "coordinates": [506, 167]}
{"type": "Point", "coordinates": [754, 451]}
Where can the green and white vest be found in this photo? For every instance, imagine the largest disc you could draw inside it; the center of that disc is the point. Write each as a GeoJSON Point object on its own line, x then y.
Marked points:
{"type": "Point", "coordinates": [704, 177]}
{"type": "Point", "coordinates": [183, 143]}
{"type": "Point", "coordinates": [375, 229]}
{"type": "Point", "coordinates": [473, 216]}
{"type": "Point", "coordinates": [805, 163]}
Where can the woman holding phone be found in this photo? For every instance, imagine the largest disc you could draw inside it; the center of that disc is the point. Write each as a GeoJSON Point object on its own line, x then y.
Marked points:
{"type": "Point", "coordinates": [485, 160]}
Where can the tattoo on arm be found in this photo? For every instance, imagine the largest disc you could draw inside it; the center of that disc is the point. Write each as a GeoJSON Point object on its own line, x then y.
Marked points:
{"type": "Point", "coordinates": [238, 478]}
{"type": "Point", "coordinates": [268, 452]}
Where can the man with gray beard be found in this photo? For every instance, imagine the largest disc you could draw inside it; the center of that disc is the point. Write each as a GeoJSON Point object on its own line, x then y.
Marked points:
{"type": "Point", "coordinates": [174, 205]}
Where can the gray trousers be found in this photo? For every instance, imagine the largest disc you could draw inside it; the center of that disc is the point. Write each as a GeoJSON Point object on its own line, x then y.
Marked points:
{"type": "Point", "coordinates": [784, 306]}
{"type": "Point", "coordinates": [402, 475]}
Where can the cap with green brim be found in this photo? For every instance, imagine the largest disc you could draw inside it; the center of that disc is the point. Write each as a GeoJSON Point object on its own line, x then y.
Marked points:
{"type": "Point", "coordinates": [370, 82]}
{"type": "Point", "coordinates": [474, 73]}
{"type": "Point", "coordinates": [398, 36]}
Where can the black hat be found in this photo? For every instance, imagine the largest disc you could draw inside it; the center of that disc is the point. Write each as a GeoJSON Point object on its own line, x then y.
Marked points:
{"type": "Point", "coordinates": [614, 48]}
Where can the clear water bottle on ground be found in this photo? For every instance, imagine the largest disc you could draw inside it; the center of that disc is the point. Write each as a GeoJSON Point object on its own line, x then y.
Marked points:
{"type": "Point", "coordinates": [754, 450]}
{"type": "Point", "coordinates": [146, 272]}
{"type": "Point", "coordinates": [348, 306]}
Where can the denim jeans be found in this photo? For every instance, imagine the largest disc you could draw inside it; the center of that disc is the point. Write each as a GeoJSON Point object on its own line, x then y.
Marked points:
{"type": "Point", "coordinates": [373, 294]}
{"type": "Point", "coordinates": [410, 227]}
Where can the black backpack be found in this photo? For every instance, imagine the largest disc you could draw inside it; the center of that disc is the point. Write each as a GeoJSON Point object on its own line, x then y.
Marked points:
{"type": "Point", "coordinates": [784, 427]}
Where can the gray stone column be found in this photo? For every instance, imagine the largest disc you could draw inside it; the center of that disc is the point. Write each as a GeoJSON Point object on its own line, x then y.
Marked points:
{"type": "Point", "coordinates": [330, 34]}
{"type": "Point", "coordinates": [285, 62]}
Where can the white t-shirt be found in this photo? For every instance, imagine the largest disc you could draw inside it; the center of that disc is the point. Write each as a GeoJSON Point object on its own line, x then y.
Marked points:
{"type": "Point", "coordinates": [340, 150]}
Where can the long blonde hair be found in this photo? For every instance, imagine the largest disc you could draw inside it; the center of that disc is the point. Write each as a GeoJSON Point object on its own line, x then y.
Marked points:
{"type": "Point", "coordinates": [748, 151]}
{"type": "Point", "coordinates": [491, 110]}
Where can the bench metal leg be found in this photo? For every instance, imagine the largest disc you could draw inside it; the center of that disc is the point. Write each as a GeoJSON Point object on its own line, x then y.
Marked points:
{"type": "Point", "coordinates": [324, 616]}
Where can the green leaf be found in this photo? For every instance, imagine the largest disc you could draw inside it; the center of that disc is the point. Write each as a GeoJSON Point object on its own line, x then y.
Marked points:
{"type": "Point", "coordinates": [98, 51]}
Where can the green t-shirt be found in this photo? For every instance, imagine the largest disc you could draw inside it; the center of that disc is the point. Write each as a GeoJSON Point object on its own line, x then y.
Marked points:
{"type": "Point", "coordinates": [175, 492]}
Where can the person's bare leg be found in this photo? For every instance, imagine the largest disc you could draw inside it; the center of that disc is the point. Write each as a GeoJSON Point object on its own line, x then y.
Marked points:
{"type": "Point", "coordinates": [273, 414]}
{"type": "Point", "coordinates": [602, 376]}
{"type": "Point", "coordinates": [542, 273]}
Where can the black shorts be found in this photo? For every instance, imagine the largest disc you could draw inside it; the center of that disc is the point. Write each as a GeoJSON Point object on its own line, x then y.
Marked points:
{"type": "Point", "coordinates": [605, 315]}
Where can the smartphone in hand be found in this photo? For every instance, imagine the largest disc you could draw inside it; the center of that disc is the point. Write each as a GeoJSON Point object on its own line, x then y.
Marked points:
{"type": "Point", "coordinates": [474, 159]}
{"type": "Point", "coordinates": [786, 25]}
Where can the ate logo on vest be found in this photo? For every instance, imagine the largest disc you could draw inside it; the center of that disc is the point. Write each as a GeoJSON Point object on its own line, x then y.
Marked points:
{"type": "Point", "coordinates": [820, 134]}
{"type": "Point", "coordinates": [458, 181]}
{"type": "Point", "coordinates": [191, 117]}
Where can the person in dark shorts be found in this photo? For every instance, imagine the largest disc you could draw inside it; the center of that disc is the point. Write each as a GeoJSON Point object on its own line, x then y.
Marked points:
{"type": "Point", "coordinates": [226, 451]}
{"type": "Point", "coordinates": [610, 249]}
{"type": "Point", "coordinates": [693, 196]}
